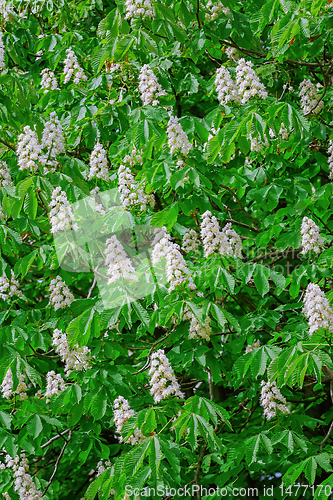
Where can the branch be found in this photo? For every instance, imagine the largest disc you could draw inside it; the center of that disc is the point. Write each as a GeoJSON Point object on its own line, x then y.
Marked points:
{"type": "Point", "coordinates": [57, 463]}
{"type": "Point", "coordinates": [197, 14]}
{"type": "Point", "coordinates": [8, 145]}
{"type": "Point", "coordinates": [227, 188]}
{"type": "Point", "coordinates": [251, 228]}
{"type": "Point", "coordinates": [197, 470]}
{"type": "Point", "coordinates": [149, 353]}
{"type": "Point", "coordinates": [54, 438]}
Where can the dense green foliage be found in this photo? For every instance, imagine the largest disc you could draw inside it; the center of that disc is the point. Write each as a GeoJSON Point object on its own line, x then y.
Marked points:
{"type": "Point", "coordinates": [217, 435]}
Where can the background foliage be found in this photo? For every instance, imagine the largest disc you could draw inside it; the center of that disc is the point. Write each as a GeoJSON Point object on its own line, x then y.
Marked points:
{"type": "Point", "coordinates": [220, 436]}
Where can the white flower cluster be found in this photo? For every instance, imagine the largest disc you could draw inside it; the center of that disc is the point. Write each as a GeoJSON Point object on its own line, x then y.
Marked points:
{"type": "Point", "coordinates": [234, 240]}
{"type": "Point", "coordinates": [190, 241]}
{"type": "Point", "coordinates": [272, 400]}
{"type": "Point", "coordinates": [102, 466]}
{"type": "Point", "coordinates": [330, 159]}
{"type": "Point", "coordinates": [226, 242]}
{"type": "Point", "coordinates": [177, 139]}
{"type": "Point", "coordinates": [55, 384]}
{"type": "Point", "coordinates": [23, 484]}
{"type": "Point", "coordinates": [9, 287]}
{"type": "Point", "coordinates": [60, 296]}
{"type": "Point", "coordinates": [77, 358]}
{"type": "Point", "coordinates": [5, 9]}
{"type": "Point", "coordinates": [134, 158]}
{"type": "Point", "coordinates": [309, 97]}
{"type": "Point", "coordinates": [138, 8]}
{"type": "Point", "coordinates": [257, 145]}
{"type": "Point", "coordinates": [61, 215]}
{"type": "Point", "coordinates": [2, 52]}
{"type": "Point", "coordinates": [197, 330]}
{"type": "Point", "coordinates": [317, 309]}
{"type": "Point", "coordinates": [5, 177]}
{"type": "Point", "coordinates": [163, 380]}
{"type": "Point", "coordinates": [311, 240]}
{"type": "Point", "coordinates": [255, 345]}
{"type": "Point", "coordinates": [7, 386]}
{"type": "Point", "coordinates": [98, 163]}
{"type": "Point", "coordinates": [248, 83]}
{"type": "Point", "coordinates": [122, 412]}
{"type": "Point", "coordinates": [28, 150]}
{"type": "Point", "coordinates": [131, 192]}
{"type": "Point", "coordinates": [214, 8]}
{"type": "Point", "coordinates": [72, 67]}
{"type": "Point", "coordinates": [119, 265]}
{"type": "Point", "coordinates": [149, 87]}
{"type": "Point", "coordinates": [231, 53]}
{"type": "Point", "coordinates": [49, 81]}
{"type": "Point", "coordinates": [177, 272]}
{"type": "Point", "coordinates": [225, 86]}
{"type": "Point", "coordinates": [53, 143]}
{"type": "Point", "coordinates": [99, 208]}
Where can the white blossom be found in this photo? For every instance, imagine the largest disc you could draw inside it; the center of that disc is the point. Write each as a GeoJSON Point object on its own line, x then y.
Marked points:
{"type": "Point", "coordinates": [23, 484]}
{"type": "Point", "coordinates": [234, 240]}
{"type": "Point", "coordinates": [317, 309]}
{"type": "Point", "coordinates": [309, 97]}
{"type": "Point", "coordinates": [149, 87]}
{"type": "Point", "coordinates": [311, 240]}
{"type": "Point", "coordinates": [272, 400]}
{"type": "Point", "coordinates": [248, 83]}
{"type": "Point", "coordinates": [212, 237]}
{"type": "Point", "coordinates": [190, 241]}
{"type": "Point", "coordinates": [197, 330]}
{"type": "Point", "coordinates": [102, 466]}
{"type": "Point", "coordinates": [138, 8]}
{"type": "Point", "coordinates": [55, 384]}
{"type": "Point", "coordinates": [214, 8]}
{"type": "Point", "coordinates": [77, 358]}
{"type": "Point", "coordinates": [255, 345]}
{"type": "Point", "coordinates": [99, 208]}
{"type": "Point", "coordinates": [225, 87]}
{"type": "Point", "coordinates": [61, 215]}
{"type": "Point", "coordinates": [257, 145]}
{"type": "Point", "coordinates": [2, 52]}
{"type": "Point", "coordinates": [131, 192]}
{"type": "Point", "coordinates": [28, 150]}
{"type": "Point", "coordinates": [98, 163]}
{"type": "Point", "coordinates": [283, 132]}
{"type": "Point", "coordinates": [52, 144]}
{"type": "Point", "coordinates": [49, 81]}
{"type": "Point", "coordinates": [7, 386]}
{"type": "Point", "coordinates": [72, 68]}
{"type": "Point", "coordinates": [163, 380]}
{"type": "Point", "coordinates": [119, 264]}
{"type": "Point", "coordinates": [60, 296]}
{"type": "Point", "coordinates": [232, 53]}
{"type": "Point", "coordinates": [122, 412]}
{"type": "Point", "coordinates": [177, 272]}
{"type": "Point", "coordinates": [177, 139]}
{"type": "Point", "coordinates": [5, 177]}
{"type": "Point", "coordinates": [9, 287]}
{"type": "Point", "coordinates": [5, 9]}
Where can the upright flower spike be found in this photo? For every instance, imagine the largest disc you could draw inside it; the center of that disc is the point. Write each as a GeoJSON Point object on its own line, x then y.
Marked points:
{"type": "Point", "coordinates": [177, 272]}
{"type": "Point", "coordinates": [310, 98]}
{"type": "Point", "coordinates": [61, 214]}
{"type": "Point", "coordinates": [122, 412]}
{"type": "Point", "coordinates": [98, 163]}
{"type": "Point", "coordinates": [177, 139]}
{"type": "Point", "coordinates": [77, 359]}
{"type": "Point", "coordinates": [23, 485]}
{"type": "Point", "coordinates": [234, 240]}
{"type": "Point", "coordinates": [55, 384]}
{"type": "Point", "coordinates": [2, 52]}
{"type": "Point", "coordinates": [9, 287]}
{"type": "Point", "coordinates": [138, 8]}
{"type": "Point", "coordinates": [7, 386]}
{"type": "Point", "coordinates": [52, 144]}
{"type": "Point", "coordinates": [311, 240]}
{"type": "Point", "coordinates": [317, 309]}
{"type": "Point", "coordinates": [5, 177]}
{"type": "Point", "coordinates": [197, 330]}
{"type": "Point", "coordinates": [28, 150]}
{"type": "Point", "coordinates": [215, 7]}
{"type": "Point", "coordinates": [60, 296]}
{"type": "Point", "coordinates": [225, 87]}
{"type": "Point", "coordinates": [149, 87]}
{"type": "Point", "coordinates": [49, 81]}
{"type": "Point", "coordinates": [212, 237]}
{"type": "Point", "coordinates": [190, 241]}
{"type": "Point", "coordinates": [272, 400]}
{"type": "Point", "coordinates": [119, 265]}
{"type": "Point", "coordinates": [248, 83]}
{"type": "Point", "coordinates": [72, 68]}
{"type": "Point", "coordinates": [163, 380]}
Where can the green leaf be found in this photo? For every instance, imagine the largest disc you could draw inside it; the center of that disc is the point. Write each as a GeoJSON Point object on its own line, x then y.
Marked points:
{"type": "Point", "coordinates": [260, 280]}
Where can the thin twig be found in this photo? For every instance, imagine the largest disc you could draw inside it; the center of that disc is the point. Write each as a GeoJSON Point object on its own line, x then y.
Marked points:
{"type": "Point", "coordinates": [146, 365]}
{"type": "Point", "coordinates": [57, 463]}
{"type": "Point", "coordinates": [197, 470]}
{"type": "Point", "coordinates": [54, 438]}
{"type": "Point", "coordinates": [8, 145]}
